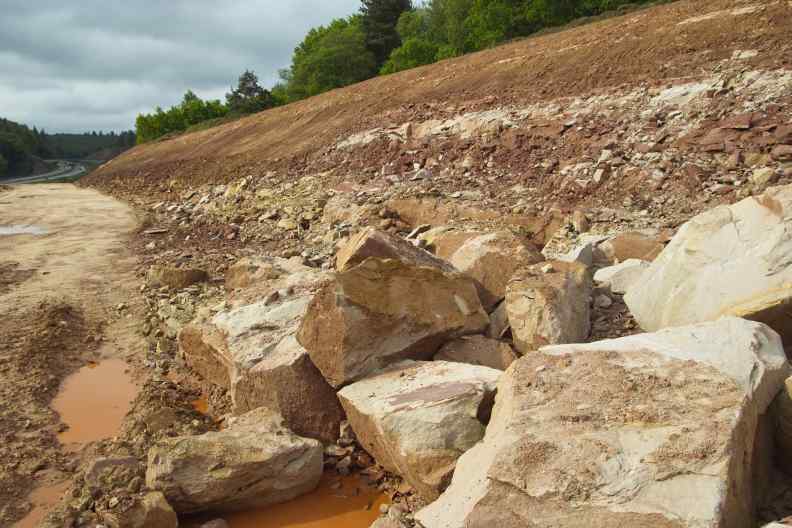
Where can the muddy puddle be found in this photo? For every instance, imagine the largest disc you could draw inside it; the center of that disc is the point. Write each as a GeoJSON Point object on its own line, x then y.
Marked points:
{"type": "Point", "coordinates": [93, 402]}
{"type": "Point", "coordinates": [338, 502]}
{"type": "Point", "coordinates": [9, 230]}
{"type": "Point", "coordinates": [42, 500]}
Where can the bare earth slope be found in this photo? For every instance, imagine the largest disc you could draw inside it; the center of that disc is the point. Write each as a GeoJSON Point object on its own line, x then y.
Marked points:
{"type": "Point", "coordinates": [672, 44]}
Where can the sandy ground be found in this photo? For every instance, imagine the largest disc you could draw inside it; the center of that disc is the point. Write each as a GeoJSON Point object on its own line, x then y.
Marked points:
{"type": "Point", "coordinates": [66, 297]}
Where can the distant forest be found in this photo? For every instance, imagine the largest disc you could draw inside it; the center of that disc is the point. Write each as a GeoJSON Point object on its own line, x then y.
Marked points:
{"type": "Point", "coordinates": [22, 148]}
{"type": "Point", "coordinates": [385, 36]}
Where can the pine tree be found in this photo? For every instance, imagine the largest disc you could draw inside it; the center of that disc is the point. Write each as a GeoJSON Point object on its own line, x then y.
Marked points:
{"type": "Point", "coordinates": [249, 97]}
{"type": "Point", "coordinates": [379, 26]}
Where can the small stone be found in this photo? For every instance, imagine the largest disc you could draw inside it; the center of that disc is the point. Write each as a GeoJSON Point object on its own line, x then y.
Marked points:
{"type": "Point", "coordinates": [384, 509]}
{"type": "Point", "coordinates": [602, 301]}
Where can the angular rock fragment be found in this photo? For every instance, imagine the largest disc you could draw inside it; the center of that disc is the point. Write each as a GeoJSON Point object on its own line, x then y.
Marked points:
{"type": "Point", "coordinates": [256, 462]}
{"type": "Point", "coordinates": [383, 311]}
{"type": "Point", "coordinates": [731, 260]}
{"type": "Point", "coordinates": [653, 430]}
{"type": "Point", "coordinates": [632, 245]}
{"type": "Point", "coordinates": [371, 242]}
{"type": "Point", "coordinates": [492, 259]}
{"type": "Point", "coordinates": [478, 350]}
{"type": "Point", "coordinates": [252, 271]}
{"type": "Point", "coordinates": [549, 303]}
{"type": "Point", "coordinates": [621, 276]}
{"type": "Point", "coordinates": [417, 419]}
{"type": "Point", "coordinates": [174, 278]}
{"type": "Point", "coordinates": [150, 511]}
{"type": "Point", "coordinates": [252, 352]}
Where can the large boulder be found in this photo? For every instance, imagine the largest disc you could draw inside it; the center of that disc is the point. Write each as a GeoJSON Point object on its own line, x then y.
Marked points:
{"type": "Point", "coordinates": [491, 260]}
{"type": "Point", "coordinates": [417, 419]}
{"type": "Point", "coordinates": [371, 242]}
{"type": "Point", "coordinates": [256, 462]}
{"type": "Point", "coordinates": [383, 311]}
{"type": "Point", "coordinates": [478, 350]}
{"type": "Point", "coordinates": [653, 430]}
{"type": "Point", "coordinates": [731, 260]}
{"type": "Point", "coordinates": [251, 351]}
{"type": "Point", "coordinates": [549, 303]}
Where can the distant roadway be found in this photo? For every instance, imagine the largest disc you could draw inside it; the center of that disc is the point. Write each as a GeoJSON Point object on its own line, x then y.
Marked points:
{"type": "Point", "coordinates": [66, 169]}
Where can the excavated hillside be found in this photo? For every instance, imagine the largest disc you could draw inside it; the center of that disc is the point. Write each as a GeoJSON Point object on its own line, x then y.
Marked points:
{"type": "Point", "coordinates": [596, 143]}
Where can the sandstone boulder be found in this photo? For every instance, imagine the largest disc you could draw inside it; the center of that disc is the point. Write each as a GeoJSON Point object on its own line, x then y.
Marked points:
{"type": "Point", "coordinates": [416, 420]}
{"type": "Point", "coordinates": [652, 430]}
{"type": "Point", "coordinates": [620, 277]}
{"type": "Point", "coordinates": [149, 511]}
{"type": "Point", "coordinates": [444, 241]}
{"type": "Point", "coordinates": [252, 352]}
{"type": "Point", "coordinates": [492, 259]}
{"type": "Point", "coordinates": [371, 242]}
{"type": "Point", "coordinates": [631, 245]}
{"type": "Point", "coordinates": [256, 462]}
{"type": "Point", "coordinates": [549, 303]}
{"type": "Point", "coordinates": [731, 260]}
{"type": "Point", "coordinates": [478, 350]}
{"type": "Point", "coordinates": [383, 311]}
{"type": "Point", "coordinates": [174, 278]}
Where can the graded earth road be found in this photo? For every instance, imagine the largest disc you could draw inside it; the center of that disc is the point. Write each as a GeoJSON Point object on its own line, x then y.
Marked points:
{"type": "Point", "coordinates": [67, 277]}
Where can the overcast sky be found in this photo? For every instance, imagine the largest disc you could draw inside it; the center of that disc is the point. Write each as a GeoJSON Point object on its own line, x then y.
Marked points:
{"type": "Point", "coordinates": [76, 65]}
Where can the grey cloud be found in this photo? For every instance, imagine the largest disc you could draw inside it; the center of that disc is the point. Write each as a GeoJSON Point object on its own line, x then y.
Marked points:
{"type": "Point", "coordinates": [91, 64]}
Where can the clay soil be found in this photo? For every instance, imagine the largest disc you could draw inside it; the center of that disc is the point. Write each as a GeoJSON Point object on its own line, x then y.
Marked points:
{"type": "Point", "coordinates": [662, 46]}
{"type": "Point", "coordinates": [59, 298]}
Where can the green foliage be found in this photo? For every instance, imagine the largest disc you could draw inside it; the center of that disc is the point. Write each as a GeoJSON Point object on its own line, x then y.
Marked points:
{"type": "Point", "coordinates": [248, 97]}
{"type": "Point", "coordinates": [191, 111]}
{"type": "Point", "coordinates": [20, 146]}
{"type": "Point", "coordinates": [329, 57]}
{"type": "Point", "coordinates": [378, 22]}
{"type": "Point", "coordinates": [454, 27]}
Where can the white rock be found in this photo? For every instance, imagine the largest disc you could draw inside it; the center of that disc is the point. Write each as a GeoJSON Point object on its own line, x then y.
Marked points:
{"type": "Point", "coordinates": [731, 260]}
{"type": "Point", "coordinates": [416, 419]}
{"type": "Point", "coordinates": [621, 276]}
{"type": "Point", "coordinates": [256, 462]}
{"type": "Point", "coordinates": [648, 430]}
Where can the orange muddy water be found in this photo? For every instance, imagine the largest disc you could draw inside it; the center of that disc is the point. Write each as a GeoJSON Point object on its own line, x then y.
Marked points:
{"type": "Point", "coordinates": [93, 401]}
{"type": "Point", "coordinates": [42, 499]}
{"type": "Point", "coordinates": [338, 502]}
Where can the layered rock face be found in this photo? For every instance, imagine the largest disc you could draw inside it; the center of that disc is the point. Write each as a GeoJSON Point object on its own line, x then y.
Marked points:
{"type": "Point", "coordinates": [549, 303]}
{"type": "Point", "coordinates": [731, 260]}
{"type": "Point", "coordinates": [383, 311]}
{"type": "Point", "coordinates": [651, 430]}
{"type": "Point", "coordinates": [416, 419]}
{"type": "Point", "coordinates": [252, 352]}
{"type": "Point", "coordinates": [254, 463]}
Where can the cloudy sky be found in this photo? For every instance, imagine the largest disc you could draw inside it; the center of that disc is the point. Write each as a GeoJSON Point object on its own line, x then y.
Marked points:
{"type": "Point", "coordinates": [75, 65]}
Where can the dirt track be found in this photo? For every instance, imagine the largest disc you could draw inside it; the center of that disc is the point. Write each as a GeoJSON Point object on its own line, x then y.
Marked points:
{"type": "Point", "coordinates": [61, 292]}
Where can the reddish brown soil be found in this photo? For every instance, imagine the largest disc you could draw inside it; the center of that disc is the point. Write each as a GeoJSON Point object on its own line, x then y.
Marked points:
{"type": "Point", "coordinates": [646, 48]}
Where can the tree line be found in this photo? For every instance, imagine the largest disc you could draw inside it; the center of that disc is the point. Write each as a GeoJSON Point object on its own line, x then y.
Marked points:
{"type": "Point", "coordinates": [21, 145]}
{"type": "Point", "coordinates": [384, 37]}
